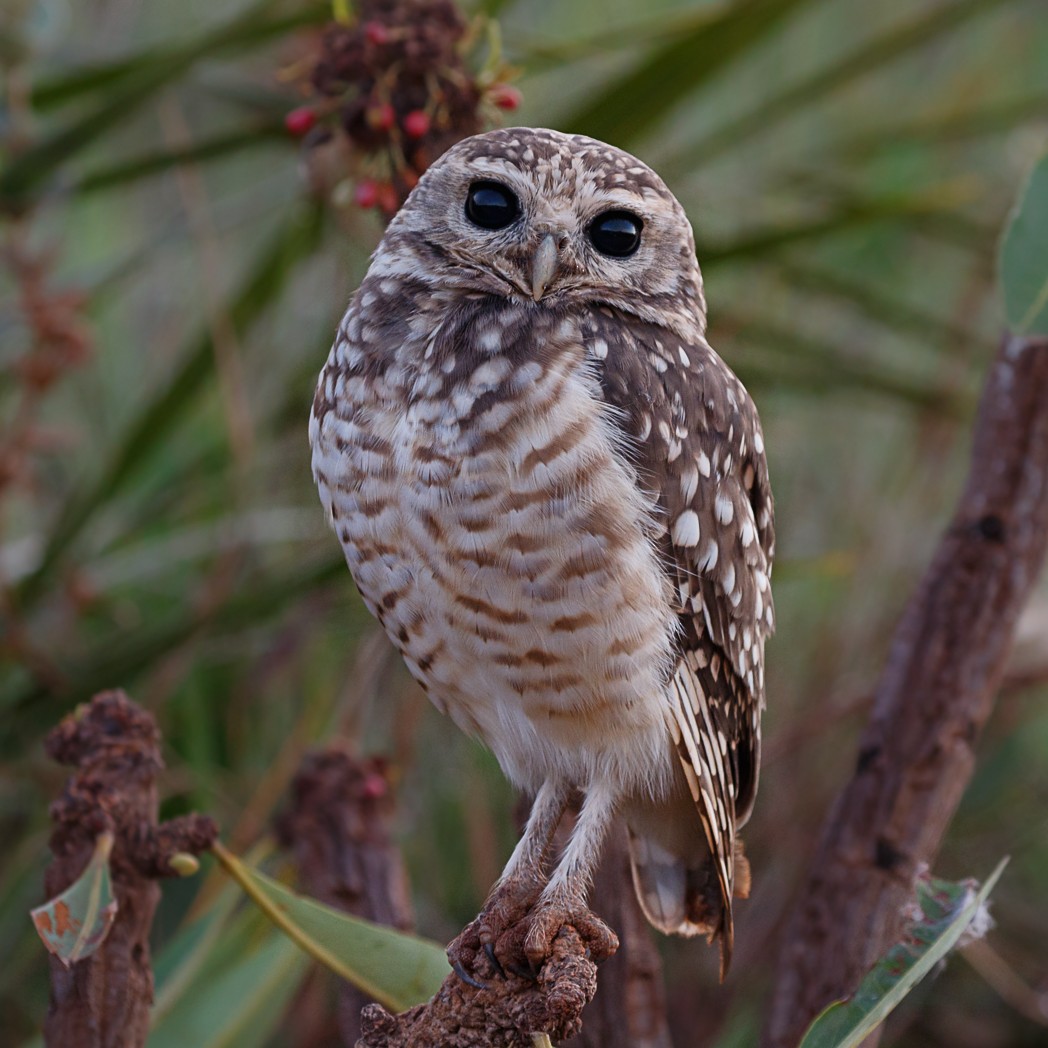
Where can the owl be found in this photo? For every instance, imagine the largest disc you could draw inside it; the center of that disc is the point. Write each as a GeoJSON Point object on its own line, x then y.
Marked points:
{"type": "Point", "coordinates": [553, 495]}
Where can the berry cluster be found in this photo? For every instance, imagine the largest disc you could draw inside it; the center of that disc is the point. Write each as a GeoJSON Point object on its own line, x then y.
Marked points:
{"type": "Point", "coordinates": [395, 86]}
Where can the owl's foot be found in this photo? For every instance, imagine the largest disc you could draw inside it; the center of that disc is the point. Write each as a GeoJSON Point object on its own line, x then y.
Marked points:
{"type": "Point", "coordinates": [549, 916]}
{"type": "Point", "coordinates": [475, 952]}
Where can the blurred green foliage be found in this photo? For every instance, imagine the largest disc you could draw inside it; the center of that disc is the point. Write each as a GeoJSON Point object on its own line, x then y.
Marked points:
{"type": "Point", "coordinates": [846, 168]}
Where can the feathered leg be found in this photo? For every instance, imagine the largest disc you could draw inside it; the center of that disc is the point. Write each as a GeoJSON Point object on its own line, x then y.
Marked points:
{"type": "Point", "coordinates": [520, 885]}
{"type": "Point", "coordinates": [563, 900]}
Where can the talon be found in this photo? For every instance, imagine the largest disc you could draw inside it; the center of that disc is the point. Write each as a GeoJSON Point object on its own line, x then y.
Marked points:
{"type": "Point", "coordinates": [489, 949]}
{"type": "Point", "coordinates": [522, 972]}
{"type": "Point", "coordinates": [468, 979]}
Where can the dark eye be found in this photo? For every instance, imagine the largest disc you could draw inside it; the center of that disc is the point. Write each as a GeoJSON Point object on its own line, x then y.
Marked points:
{"type": "Point", "coordinates": [616, 233]}
{"type": "Point", "coordinates": [491, 205]}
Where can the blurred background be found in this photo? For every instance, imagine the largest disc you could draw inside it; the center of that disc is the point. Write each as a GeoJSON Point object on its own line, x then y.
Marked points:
{"type": "Point", "coordinates": [176, 252]}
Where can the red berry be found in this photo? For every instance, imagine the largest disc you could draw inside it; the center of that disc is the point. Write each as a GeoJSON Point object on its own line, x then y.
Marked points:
{"type": "Point", "coordinates": [376, 33]}
{"type": "Point", "coordinates": [381, 117]}
{"type": "Point", "coordinates": [388, 201]}
{"type": "Point", "coordinates": [366, 194]}
{"type": "Point", "coordinates": [505, 96]}
{"type": "Point", "coordinates": [300, 120]}
{"type": "Point", "coordinates": [373, 786]}
{"type": "Point", "coordinates": [416, 124]}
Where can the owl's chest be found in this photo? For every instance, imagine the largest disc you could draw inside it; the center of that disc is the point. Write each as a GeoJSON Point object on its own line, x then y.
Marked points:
{"type": "Point", "coordinates": [490, 485]}
{"type": "Point", "coordinates": [503, 541]}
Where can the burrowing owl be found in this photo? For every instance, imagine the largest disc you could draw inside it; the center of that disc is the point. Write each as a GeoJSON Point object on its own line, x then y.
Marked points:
{"type": "Point", "coordinates": [553, 495]}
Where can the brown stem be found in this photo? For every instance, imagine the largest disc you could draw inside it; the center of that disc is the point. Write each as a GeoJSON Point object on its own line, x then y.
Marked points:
{"type": "Point", "coordinates": [505, 1015]}
{"type": "Point", "coordinates": [338, 827]}
{"type": "Point", "coordinates": [631, 1006]}
{"type": "Point", "coordinates": [944, 667]}
{"type": "Point", "coordinates": [103, 1001]}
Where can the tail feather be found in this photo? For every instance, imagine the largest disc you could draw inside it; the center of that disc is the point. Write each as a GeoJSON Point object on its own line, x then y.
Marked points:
{"type": "Point", "coordinates": [682, 896]}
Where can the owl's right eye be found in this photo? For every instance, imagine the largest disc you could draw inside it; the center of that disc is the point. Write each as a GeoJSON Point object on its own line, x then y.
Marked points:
{"type": "Point", "coordinates": [491, 205]}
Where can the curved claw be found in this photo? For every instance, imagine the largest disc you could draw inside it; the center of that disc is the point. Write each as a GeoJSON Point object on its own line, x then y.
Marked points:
{"type": "Point", "coordinates": [468, 979]}
{"type": "Point", "coordinates": [523, 972]}
{"type": "Point", "coordinates": [489, 949]}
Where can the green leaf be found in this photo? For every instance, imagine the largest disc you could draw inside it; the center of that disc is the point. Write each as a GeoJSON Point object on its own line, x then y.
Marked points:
{"type": "Point", "coordinates": [74, 924]}
{"type": "Point", "coordinates": [878, 306]}
{"type": "Point", "coordinates": [947, 910]}
{"type": "Point", "coordinates": [856, 63]}
{"type": "Point", "coordinates": [636, 104]}
{"type": "Point", "coordinates": [127, 653]}
{"type": "Point", "coordinates": [249, 27]}
{"type": "Point", "coordinates": [160, 160]}
{"type": "Point", "coordinates": [147, 434]}
{"type": "Point", "coordinates": [240, 1004]}
{"type": "Point", "coordinates": [178, 967]}
{"type": "Point", "coordinates": [396, 969]}
{"type": "Point", "coordinates": [850, 214]}
{"type": "Point", "coordinates": [128, 86]}
{"type": "Point", "coordinates": [795, 358]}
{"type": "Point", "coordinates": [996, 118]}
{"type": "Point", "coordinates": [1024, 257]}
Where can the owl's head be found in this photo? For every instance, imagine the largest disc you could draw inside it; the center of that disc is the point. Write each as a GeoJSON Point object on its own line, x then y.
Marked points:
{"type": "Point", "coordinates": [550, 218]}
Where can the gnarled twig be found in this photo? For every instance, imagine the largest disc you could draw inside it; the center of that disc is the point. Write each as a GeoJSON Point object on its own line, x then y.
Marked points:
{"type": "Point", "coordinates": [937, 691]}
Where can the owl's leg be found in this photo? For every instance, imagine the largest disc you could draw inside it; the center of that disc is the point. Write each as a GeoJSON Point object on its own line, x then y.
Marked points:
{"type": "Point", "coordinates": [563, 900]}
{"type": "Point", "coordinates": [518, 887]}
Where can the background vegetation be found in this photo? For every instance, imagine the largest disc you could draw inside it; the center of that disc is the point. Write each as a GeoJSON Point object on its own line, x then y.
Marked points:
{"type": "Point", "coordinates": [846, 168]}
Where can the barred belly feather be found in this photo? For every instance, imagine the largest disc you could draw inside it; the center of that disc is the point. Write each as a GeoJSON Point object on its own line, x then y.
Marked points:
{"type": "Point", "coordinates": [495, 528]}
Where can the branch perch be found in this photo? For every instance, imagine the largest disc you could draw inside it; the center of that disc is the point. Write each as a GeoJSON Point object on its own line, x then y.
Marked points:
{"type": "Point", "coordinates": [945, 664]}
{"type": "Point", "coordinates": [508, 1014]}
{"type": "Point", "coordinates": [103, 1001]}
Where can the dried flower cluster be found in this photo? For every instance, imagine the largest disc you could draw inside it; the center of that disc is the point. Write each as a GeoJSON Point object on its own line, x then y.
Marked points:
{"type": "Point", "coordinates": [395, 87]}
{"type": "Point", "coordinates": [57, 340]}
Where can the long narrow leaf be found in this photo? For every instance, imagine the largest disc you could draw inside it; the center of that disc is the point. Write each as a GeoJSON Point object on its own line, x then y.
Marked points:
{"type": "Point", "coordinates": [160, 160]}
{"type": "Point", "coordinates": [850, 214]}
{"type": "Point", "coordinates": [997, 118]}
{"type": "Point", "coordinates": [947, 912]}
{"type": "Point", "coordinates": [1023, 258]}
{"type": "Point", "coordinates": [636, 104]}
{"type": "Point", "coordinates": [877, 305]}
{"type": "Point", "coordinates": [126, 654]}
{"type": "Point", "coordinates": [155, 421]}
{"type": "Point", "coordinates": [541, 52]}
{"type": "Point", "coordinates": [30, 169]}
{"type": "Point", "coordinates": [396, 969]}
{"type": "Point", "coordinates": [251, 26]}
{"type": "Point", "coordinates": [856, 63]}
{"type": "Point", "coordinates": [240, 1004]}
{"type": "Point", "coordinates": [822, 366]}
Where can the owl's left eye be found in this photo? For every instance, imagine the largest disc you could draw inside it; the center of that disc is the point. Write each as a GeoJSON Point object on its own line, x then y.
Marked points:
{"type": "Point", "coordinates": [616, 233]}
{"type": "Point", "coordinates": [491, 205]}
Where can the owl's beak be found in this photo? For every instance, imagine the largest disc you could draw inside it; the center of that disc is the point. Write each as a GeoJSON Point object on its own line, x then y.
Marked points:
{"type": "Point", "coordinates": [544, 265]}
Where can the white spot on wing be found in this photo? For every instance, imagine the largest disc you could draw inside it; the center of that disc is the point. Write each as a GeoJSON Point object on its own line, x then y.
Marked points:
{"type": "Point", "coordinates": [725, 510]}
{"type": "Point", "coordinates": [686, 529]}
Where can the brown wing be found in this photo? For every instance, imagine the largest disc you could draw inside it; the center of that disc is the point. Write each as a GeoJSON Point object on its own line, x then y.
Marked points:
{"type": "Point", "coordinates": [696, 443]}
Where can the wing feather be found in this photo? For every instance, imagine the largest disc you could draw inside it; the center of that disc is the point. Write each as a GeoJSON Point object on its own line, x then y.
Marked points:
{"type": "Point", "coordinates": [697, 446]}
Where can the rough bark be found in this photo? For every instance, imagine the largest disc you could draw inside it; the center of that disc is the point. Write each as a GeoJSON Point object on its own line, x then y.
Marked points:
{"type": "Point", "coordinates": [502, 1016]}
{"type": "Point", "coordinates": [946, 661]}
{"type": "Point", "coordinates": [103, 1001]}
{"type": "Point", "coordinates": [338, 826]}
{"type": "Point", "coordinates": [631, 1006]}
